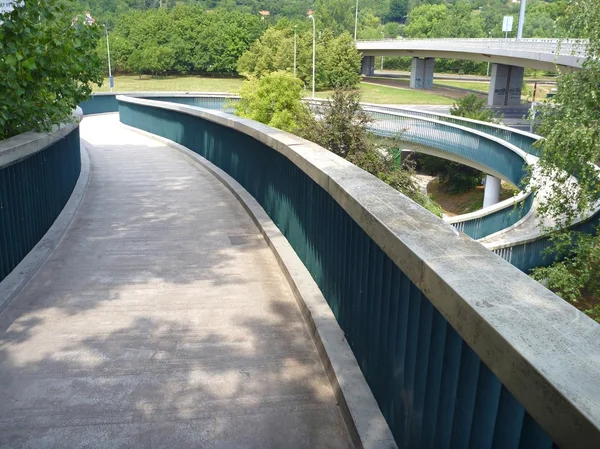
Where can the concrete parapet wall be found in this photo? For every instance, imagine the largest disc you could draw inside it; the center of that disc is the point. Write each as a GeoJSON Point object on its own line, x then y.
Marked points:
{"type": "Point", "coordinates": [542, 349]}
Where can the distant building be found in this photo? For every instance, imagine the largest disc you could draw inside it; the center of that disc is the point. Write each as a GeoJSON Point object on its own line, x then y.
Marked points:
{"type": "Point", "coordinates": [264, 14]}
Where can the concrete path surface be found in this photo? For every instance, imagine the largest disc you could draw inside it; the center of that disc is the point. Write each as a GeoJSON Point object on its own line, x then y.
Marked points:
{"type": "Point", "coordinates": [161, 321]}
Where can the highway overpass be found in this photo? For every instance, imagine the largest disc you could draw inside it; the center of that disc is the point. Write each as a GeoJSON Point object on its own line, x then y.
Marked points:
{"type": "Point", "coordinates": [509, 58]}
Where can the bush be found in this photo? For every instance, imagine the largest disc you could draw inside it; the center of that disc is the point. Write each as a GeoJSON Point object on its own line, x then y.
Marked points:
{"type": "Point", "coordinates": [454, 177]}
{"type": "Point", "coordinates": [48, 64]}
{"type": "Point", "coordinates": [577, 271]}
{"type": "Point", "coordinates": [274, 99]}
{"type": "Point", "coordinates": [473, 107]}
{"type": "Point", "coordinates": [342, 128]}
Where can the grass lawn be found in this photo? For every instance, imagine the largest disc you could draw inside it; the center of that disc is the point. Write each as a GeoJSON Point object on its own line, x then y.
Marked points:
{"type": "Point", "coordinates": [191, 83]}
{"type": "Point", "coordinates": [391, 95]}
{"type": "Point", "coordinates": [480, 86]}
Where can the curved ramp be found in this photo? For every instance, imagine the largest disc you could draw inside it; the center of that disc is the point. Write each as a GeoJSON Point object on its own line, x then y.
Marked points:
{"type": "Point", "coordinates": [161, 320]}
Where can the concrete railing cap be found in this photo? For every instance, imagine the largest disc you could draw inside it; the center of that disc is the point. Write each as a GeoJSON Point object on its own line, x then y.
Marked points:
{"type": "Point", "coordinates": [544, 350]}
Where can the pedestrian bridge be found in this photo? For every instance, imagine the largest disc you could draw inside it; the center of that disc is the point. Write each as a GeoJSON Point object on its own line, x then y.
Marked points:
{"type": "Point", "coordinates": [187, 278]}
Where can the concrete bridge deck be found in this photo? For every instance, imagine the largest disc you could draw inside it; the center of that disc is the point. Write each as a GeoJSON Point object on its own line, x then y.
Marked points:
{"type": "Point", "coordinates": [161, 320]}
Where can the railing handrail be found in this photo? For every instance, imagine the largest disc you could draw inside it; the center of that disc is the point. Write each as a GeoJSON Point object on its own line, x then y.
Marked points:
{"type": "Point", "coordinates": [543, 349]}
{"type": "Point", "coordinates": [26, 144]}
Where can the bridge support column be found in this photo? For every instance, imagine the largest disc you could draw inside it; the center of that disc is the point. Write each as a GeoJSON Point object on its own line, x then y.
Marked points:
{"type": "Point", "coordinates": [368, 66]}
{"type": "Point", "coordinates": [421, 73]}
{"type": "Point", "coordinates": [491, 195]}
{"type": "Point", "coordinates": [506, 84]}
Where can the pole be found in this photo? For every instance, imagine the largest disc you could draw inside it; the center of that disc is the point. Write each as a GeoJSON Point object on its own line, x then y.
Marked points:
{"type": "Point", "coordinates": [533, 109]}
{"type": "Point", "coordinates": [110, 78]}
{"type": "Point", "coordinates": [356, 20]}
{"type": "Point", "coordinates": [521, 20]}
{"type": "Point", "coordinates": [295, 50]}
{"type": "Point", "coordinates": [314, 53]}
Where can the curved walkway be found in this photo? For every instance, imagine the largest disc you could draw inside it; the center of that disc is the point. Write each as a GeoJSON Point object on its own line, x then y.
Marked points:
{"type": "Point", "coordinates": [161, 320]}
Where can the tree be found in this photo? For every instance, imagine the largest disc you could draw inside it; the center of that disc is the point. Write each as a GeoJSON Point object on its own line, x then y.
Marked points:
{"type": "Point", "coordinates": [275, 100]}
{"type": "Point", "coordinates": [398, 10]}
{"type": "Point", "coordinates": [48, 64]}
{"type": "Point", "coordinates": [571, 148]}
{"type": "Point", "coordinates": [338, 62]}
{"type": "Point", "coordinates": [342, 126]}
{"type": "Point", "coordinates": [341, 63]}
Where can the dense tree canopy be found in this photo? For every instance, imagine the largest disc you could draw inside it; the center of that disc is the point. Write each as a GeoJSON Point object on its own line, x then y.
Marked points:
{"type": "Point", "coordinates": [208, 36]}
{"type": "Point", "coordinates": [183, 39]}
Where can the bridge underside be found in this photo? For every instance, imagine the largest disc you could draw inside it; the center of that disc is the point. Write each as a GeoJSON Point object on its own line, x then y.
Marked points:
{"type": "Point", "coordinates": [161, 320]}
{"type": "Point", "coordinates": [534, 61]}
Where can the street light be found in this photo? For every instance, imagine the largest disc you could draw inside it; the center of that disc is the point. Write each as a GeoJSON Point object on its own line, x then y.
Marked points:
{"type": "Point", "coordinates": [310, 14]}
{"type": "Point", "coordinates": [111, 81]}
{"type": "Point", "coordinates": [356, 20]}
{"type": "Point", "coordinates": [295, 26]}
{"type": "Point", "coordinates": [521, 20]}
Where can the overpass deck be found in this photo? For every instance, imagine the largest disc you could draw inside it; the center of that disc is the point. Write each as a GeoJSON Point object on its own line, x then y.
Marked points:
{"type": "Point", "coordinates": [162, 319]}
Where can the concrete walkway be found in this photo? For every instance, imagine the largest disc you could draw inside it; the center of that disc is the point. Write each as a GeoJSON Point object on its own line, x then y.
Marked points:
{"type": "Point", "coordinates": [161, 320]}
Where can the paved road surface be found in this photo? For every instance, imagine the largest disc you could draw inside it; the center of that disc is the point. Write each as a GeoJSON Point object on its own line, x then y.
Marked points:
{"type": "Point", "coordinates": [161, 321]}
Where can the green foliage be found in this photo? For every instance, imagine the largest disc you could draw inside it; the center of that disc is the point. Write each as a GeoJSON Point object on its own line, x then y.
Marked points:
{"type": "Point", "coordinates": [341, 126]}
{"type": "Point", "coordinates": [473, 107]}
{"type": "Point", "coordinates": [338, 62]}
{"type": "Point", "coordinates": [398, 10]}
{"type": "Point", "coordinates": [183, 39]}
{"type": "Point", "coordinates": [570, 126]}
{"type": "Point", "coordinates": [48, 63]}
{"type": "Point", "coordinates": [571, 148]}
{"type": "Point", "coordinates": [455, 177]}
{"type": "Point", "coordinates": [577, 271]}
{"type": "Point", "coordinates": [275, 99]}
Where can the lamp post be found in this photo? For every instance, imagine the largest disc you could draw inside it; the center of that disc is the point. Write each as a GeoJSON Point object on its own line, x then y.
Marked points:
{"type": "Point", "coordinates": [521, 20]}
{"type": "Point", "coordinates": [111, 81]}
{"type": "Point", "coordinates": [295, 47]}
{"type": "Point", "coordinates": [356, 20]}
{"type": "Point", "coordinates": [310, 14]}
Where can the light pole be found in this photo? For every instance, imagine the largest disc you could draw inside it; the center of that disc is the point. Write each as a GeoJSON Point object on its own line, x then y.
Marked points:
{"type": "Point", "coordinates": [295, 26]}
{"type": "Point", "coordinates": [111, 81]}
{"type": "Point", "coordinates": [310, 14]}
{"type": "Point", "coordinates": [521, 20]}
{"type": "Point", "coordinates": [356, 20]}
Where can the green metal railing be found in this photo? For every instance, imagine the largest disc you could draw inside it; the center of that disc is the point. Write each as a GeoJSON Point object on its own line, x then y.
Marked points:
{"type": "Point", "coordinates": [33, 192]}
{"type": "Point", "coordinates": [415, 127]}
{"type": "Point", "coordinates": [523, 140]}
{"type": "Point", "coordinates": [489, 224]}
{"type": "Point", "coordinates": [433, 389]}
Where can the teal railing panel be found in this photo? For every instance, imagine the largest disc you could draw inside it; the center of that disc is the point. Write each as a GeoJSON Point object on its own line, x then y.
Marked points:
{"type": "Point", "coordinates": [455, 141]}
{"type": "Point", "coordinates": [100, 104]}
{"type": "Point", "coordinates": [33, 192]}
{"type": "Point", "coordinates": [478, 228]}
{"type": "Point", "coordinates": [530, 255]}
{"type": "Point", "coordinates": [521, 140]}
{"type": "Point", "coordinates": [432, 388]}
{"type": "Point", "coordinates": [223, 104]}
{"type": "Point", "coordinates": [435, 135]}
